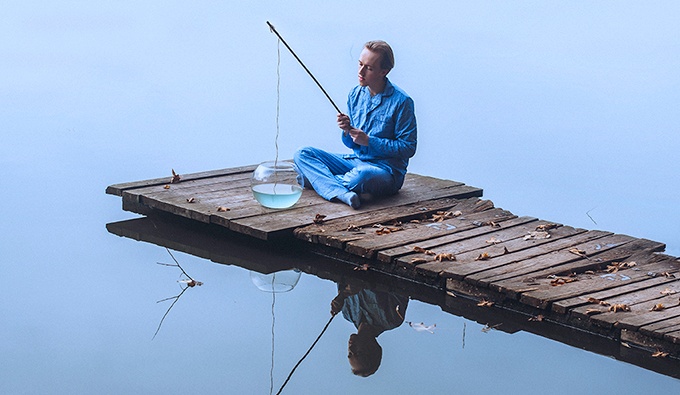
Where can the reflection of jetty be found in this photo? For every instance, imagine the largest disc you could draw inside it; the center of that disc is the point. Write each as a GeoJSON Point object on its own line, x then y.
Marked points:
{"type": "Point", "coordinates": [441, 234]}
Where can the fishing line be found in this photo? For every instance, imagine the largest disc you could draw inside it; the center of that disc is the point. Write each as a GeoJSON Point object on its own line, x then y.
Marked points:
{"type": "Point", "coordinates": [271, 370]}
{"type": "Point", "coordinates": [307, 353]}
{"type": "Point", "coordinates": [273, 30]}
{"type": "Point", "coordinates": [278, 99]}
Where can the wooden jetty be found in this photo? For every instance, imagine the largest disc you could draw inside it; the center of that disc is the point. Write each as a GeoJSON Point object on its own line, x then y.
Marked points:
{"type": "Point", "coordinates": [440, 233]}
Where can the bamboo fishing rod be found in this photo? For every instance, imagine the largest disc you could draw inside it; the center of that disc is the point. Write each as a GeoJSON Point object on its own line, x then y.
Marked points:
{"type": "Point", "coordinates": [271, 27]}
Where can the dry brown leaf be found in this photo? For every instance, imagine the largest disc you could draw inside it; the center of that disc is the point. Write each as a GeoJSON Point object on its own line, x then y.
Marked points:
{"type": "Point", "coordinates": [418, 260]}
{"type": "Point", "coordinates": [363, 267]}
{"type": "Point", "coordinates": [619, 307]}
{"type": "Point", "coordinates": [505, 251]}
{"type": "Point", "coordinates": [657, 307]}
{"type": "Point", "coordinates": [616, 266]}
{"type": "Point", "coordinates": [598, 301]}
{"type": "Point", "coordinates": [166, 187]}
{"type": "Point", "coordinates": [538, 235]}
{"type": "Point", "coordinates": [659, 354]}
{"type": "Point", "coordinates": [492, 224]}
{"type": "Point", "coordinates": [444, 257]}
{"type": "Point", "coordinates": [546, 227]}
{"type": "Point", "coordinates": [668, 275]}
{"type": "Point", "coordinates": [483, 257]}
{"type": "Point", "coordinates": [578, 252]}
{"type": "Point", "coordinates": [353, 228]}
{"type": "Point", "coordinates": [222, 209]}
{"type": "Point", "coordinates": [423, 250]}
{"type": "Point", "coordinates": [562, 280]}
{"type": "Point", "coordinates": [175, 177]}
{"type": "Point", "coordinates": [485, 303]}
{"type": "Point", "coordinates": [191, 200]}
{"type": "Point", "coordinates": [494, 241]}
{"type": "Point", "coordinates": [667, 292]}
{"type": "Point", "coordinates": [536, 318]}
{"type": "Point", "coordinates": [319, 219]}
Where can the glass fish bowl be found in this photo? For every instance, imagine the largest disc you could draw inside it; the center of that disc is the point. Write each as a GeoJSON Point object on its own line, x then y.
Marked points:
{"type": "Point", "coordinates": [275, 184]}
{"type": "Point", "coordinates": [282, 281]}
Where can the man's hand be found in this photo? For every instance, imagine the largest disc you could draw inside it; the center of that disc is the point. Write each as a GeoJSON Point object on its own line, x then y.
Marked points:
{"type": "Point", "coordinates": [343, 122]}
{"type": "Point", "coordinates": [358, 136]}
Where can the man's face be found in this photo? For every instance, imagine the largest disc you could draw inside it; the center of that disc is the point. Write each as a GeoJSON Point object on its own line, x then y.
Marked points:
{"type": "Point", "coordinates": [370, 72]}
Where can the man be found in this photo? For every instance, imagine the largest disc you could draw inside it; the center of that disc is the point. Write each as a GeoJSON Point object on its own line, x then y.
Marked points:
{"type": "Point", "coordinates": [380, 128]}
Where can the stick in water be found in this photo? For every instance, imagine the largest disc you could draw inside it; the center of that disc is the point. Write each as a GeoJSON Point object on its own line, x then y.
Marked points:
{"type": "Point", "coordinates": [271, 27]}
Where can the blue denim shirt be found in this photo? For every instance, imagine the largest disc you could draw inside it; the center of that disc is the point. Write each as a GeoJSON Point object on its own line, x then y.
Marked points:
{"type": "Point", "coordinates": [390, 122]}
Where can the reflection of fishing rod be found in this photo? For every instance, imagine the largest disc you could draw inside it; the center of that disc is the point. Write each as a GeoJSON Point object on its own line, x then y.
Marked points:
{"type": "Point", "coordinates": [307, 353]}
{"type": "Point", "coordinates": [271, 27]}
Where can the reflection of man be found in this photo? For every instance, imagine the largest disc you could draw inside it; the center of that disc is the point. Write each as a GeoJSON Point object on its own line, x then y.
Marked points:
{"type": "Point", "coordinates": [372, 313]}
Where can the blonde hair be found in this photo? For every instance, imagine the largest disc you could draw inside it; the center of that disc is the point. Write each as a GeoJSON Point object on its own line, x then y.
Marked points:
{"type": "Point", "coordinates": [385, 51]}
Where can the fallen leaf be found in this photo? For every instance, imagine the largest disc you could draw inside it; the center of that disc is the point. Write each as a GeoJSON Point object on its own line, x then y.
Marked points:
{"type": "Point", "coordinates": [619, 307]}
{"type": "Point", "coordinates": [385, 230]}
{"type": "Point", "coordinates": [562, 280]}
{"type": "Point", "coordinates": [659, 354]}
{"type": "Point", "coordinates": [419, 260]}
{"type": "Point", "coordinates": [222, 209]}
{"type": "Point", "coordinates": [175, 177]}
{"type": "Point", "coordinates": [667, 292]}
{"type": "Point", "coordinates": [505, 251]}
{"type": "Point", "coordinates": [485, 303]}
{"type": "Point", "coordinates": [166, 187]}
{"type": "Point", "coordinates": [445, 257]}
{"type": "Point", "coordinates": [494, 241]}
{"type": "Point", "coordinates": [319, 219]}
{"type": "Point", "coordinates": [578, 252]}
{"type": "Point", "coordinates": [421, 327]}
{"type": "Point", "coordinates": [616, 266]}
{"type": "Point", "coordinates": [538, 235]}
{"type": "Point", "coordinates": [657, 307]}
{"type": "Point", "coordinates": [191, 200]}
{"type": "Point", "coordinates": [598, 301]}
{"type": "Point", "coordinates": [353, 228]}
{"type": "Point", "coordinates": [492, 224]}
{"type": "Point", "coordinates": [668, 275]}
{"type": "Point", "coordinates": [536, 318]}
{"type": "Point", "coordinates": [546, 227]}
{"type": "Point", "coordinates": [440, 216]}
{"type": "Point", "coordinates": [423, 250]}
{"type": "Point", "coordinates": [626, 345]}
{"type": "Point", "coordinates": [363, 267]}
{"type": "Point", "coordinates": [483, 257]}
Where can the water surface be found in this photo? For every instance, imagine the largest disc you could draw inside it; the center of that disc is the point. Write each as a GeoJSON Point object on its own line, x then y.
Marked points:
{"type": "Point", "coordinates": [566, 112]}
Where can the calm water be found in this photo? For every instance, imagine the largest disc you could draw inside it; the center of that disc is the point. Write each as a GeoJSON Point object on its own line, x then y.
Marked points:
{"type": "Point", "coordinates": [566, 112]}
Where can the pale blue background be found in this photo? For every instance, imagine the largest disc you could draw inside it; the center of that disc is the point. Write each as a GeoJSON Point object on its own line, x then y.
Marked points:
{"type": "Point", "coordinates": [556, 109]}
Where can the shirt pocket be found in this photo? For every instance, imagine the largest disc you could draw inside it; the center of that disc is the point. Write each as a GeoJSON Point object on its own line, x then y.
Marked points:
{"type": "Point", "coordinates": [381, 126]}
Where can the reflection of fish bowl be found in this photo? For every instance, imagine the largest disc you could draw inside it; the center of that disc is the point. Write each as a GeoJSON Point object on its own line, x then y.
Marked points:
{"type": "Point", "coordinates": [277, 282]}
{"type": "Point", "coordinates": [275, 184]}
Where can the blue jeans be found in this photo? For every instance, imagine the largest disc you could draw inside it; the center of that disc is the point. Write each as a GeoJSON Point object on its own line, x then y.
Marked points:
{"type": "Point", "coordinates": [331, 175]}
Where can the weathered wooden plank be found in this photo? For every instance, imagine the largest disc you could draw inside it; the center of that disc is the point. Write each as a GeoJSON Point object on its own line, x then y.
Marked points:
{"type": "Point", "coordinates": [626, 281]}
{"type": "Point", "coordinates": [284, 221]}
{"type": "Point", "coordinates": [539, 289]}
{"type": "Point", "coordinates": [335, 233]}
{"type": "Point", "coordinates": [640, 301]}
{"type": "Point", "coordinates": [545, 292]}
{"type": "Point", "coordinates": [467, 264]}
{"type": "Point", "coordinates": [118, 189]}
{"type": "Point", "coordinates": [660, 328]}
{"type": "Point", "coordinates": [369, 246]}
{"type": "Point", "coordinates": [469, 243]}
{"type": "Point", "coordinates": [469, 237]}
{"type": "Point", "coordinates": [559, 255]}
